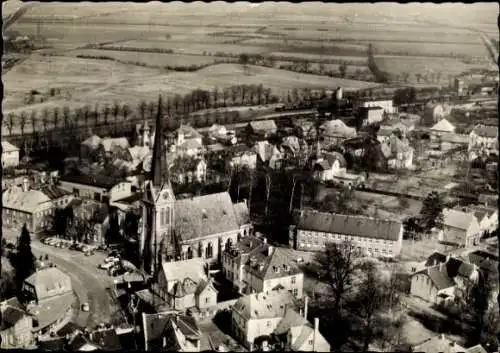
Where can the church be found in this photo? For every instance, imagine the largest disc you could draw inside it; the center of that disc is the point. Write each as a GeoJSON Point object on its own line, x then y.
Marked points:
{"type": "Point", "coordinates": [171, 229]}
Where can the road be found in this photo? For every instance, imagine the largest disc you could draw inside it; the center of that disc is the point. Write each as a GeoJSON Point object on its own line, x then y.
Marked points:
{"type": "Point", "coordinates": [89, 283]}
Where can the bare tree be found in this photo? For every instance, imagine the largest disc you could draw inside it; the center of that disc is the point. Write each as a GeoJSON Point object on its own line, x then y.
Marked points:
{"type": "Point", "coordinates": [105, 113]}
{"type": "Point", "coordinates": [86, 115]}
{"type": "Point", "coordinates": [33, 115]}
{"type": "Point", "coordinates": [225, 95]}
{"type": "Point", "coordinates": [142, 110]}
{"type": "Point", "coordinates": [293, 191]}
{"type": "Point", "coordinates": [234, 94]}
{"type": "Point", "coordinates": [177, 102]}
{"type": "Point", "coordinates": [268, 191]}
{"type": "Point", "coordinates": [45, 120]}
{"type": "Point", "coordinates": [96, 114]}
{"type": "Point", "coordinates": [215, 97]}
{"type": "Point", "coordinates": [267, 95]}
{"type": "Point", "coordinates": [55, 116]}
{"type": "Point", "coordinates": [22, 122]}
{"type": "Point", "coordinates": [66, 116]}
{"type": "Point", "coordinates": [125, 111]}
{"type": "Point", "coordinates": [9, 123]}
{"type": "Point", "coordinates": [151, 109]}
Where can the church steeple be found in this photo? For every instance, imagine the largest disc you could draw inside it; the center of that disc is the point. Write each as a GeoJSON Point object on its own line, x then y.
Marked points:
{"type": "Point", "coordinates": [159, 167]}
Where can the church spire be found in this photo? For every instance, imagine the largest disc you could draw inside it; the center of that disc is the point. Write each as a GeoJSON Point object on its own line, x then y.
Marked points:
{"type": "Point", "coordinates": [159, 168]}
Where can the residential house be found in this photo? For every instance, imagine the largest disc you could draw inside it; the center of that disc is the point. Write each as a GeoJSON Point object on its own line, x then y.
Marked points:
{"type": "Point", "coordinates": [295, 149]}
{"type": "Point", "coordinates": [297, 334]}
{"type": "Point", "coordinates": [90, 146]}
{"type": "Point", "coordinates": [115, 148]}
{"type": "Point", "coordinates": [253, 266]}
{"type": "Point", "coordinates": [96, 187]}
{"type": "Point", "coordinates": [97, 214]}
{"type": "Point", "coordinates": [16, 325]}
{"type": "Point", "coordinates": [398, 152]}
{"type": "Point", "coordinates": [442, 281]}
{"type": "Point", "coordinates": [33, 207]}
{"type": "Point", "coordinates": [46, 283]}
{"type": "Point", "coordinates": [459, 228]}
{"type": "Point", "coordinates": [172, 332]}
{"type": "Point", "coordinates": [440, 344]}
{"type": "Point", "coordinates": [377, 237]}
{"type": "Point", "coordinates": [242, 156]}
{"type": "Point", "coordinates": [434, 112]}
{"type": "Point", "coordinates": [10, 155]}
{"type": "Point", "coordinates": [384, 133]}
{"type": "Point", "coordinates": [371, 115]}
{"type": "Point", "coordinates": [185, 284]}
{"type": "Point", "coordinates": [258, 315]}
{"type": "Point", "coordinates": [269, 155]}
{"type": "Point", "coordinates": [387, 105]}
{"type": "Point", "coordinates": [262, 129]}
{"type": "Point", "coordinates": [331, 167]}
{"type": "Point", "coordinates": [442, 127]}
{"type": "Point", "coordinates": [483, 140]}
{"type": "Point", "coordinates": [188, 169]}
{"type": "Point", "coordinates": [305, 129]}
{"type": "Point", "coordinates": [188, 141]}
{"type": "Point", "coordinates": [335, 132]}
{"type": "Point", "coordinates": [487, 217]}
{"type": "Point", "coordinates": [219, 133]}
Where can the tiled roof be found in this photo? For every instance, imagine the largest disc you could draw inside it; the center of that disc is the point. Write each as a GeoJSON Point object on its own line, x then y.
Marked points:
{"type": "Point", "coordinates": [438, 344]}
{"type": "Point", "coordinates": [346, 224]}
{"type": "Point", "coordinates": [291, 319]}
{"type": "Point", "coordinates": [109, 143]}
{"type": "Point", "coordinates": [457, 219]}
{"type": "Point", "coordinates": [8, 147]}
{"type": "Point", "coordinates": [53, 192]}
{"type": "Point", "coordinates": [263, 305]}
{"type": "Point", "coordinates": [99, 181]}
{"type": "Point", "coordinates": [444, 126]}
{"type": "Point", "coordinates": [440, 279]}
{"type": "Point", "coordinates": [276, 265]}
{"type": "Point", "coordinates": [205, 215]}
{"type": "Point", "coordinates": [476, 349]}
{"type": "Point", "coordinates": [486, 131]}
{"type": "Point", "coordinates": [51, 309]}
{"type": "Point", "coordinates": [435, 258]}
{"type": "Point", "coordinates": [193, 269]}
{"type": "Point", "coordinates": [156, 326]}
{"type": "Point", "coordinates": [337, 128]}
{"type": "Point", "coordinates": [48, 279]}
{"type": "Point", "coordinates": [26, 201]}
{"type": "Point", "coordinates": [10, 316]}
{"type": "Point", "coordinates": [93, 141]}
{"type": "Point", "coordinates": [189, 132]}
{"type": "Point", "coordinates": [264, 126]}
{"type": "Point", "coordinates": [106, 339]}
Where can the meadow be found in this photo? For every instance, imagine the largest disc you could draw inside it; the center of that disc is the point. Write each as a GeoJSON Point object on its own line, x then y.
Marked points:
{"type": "Point", "coordinates": [432, 49]}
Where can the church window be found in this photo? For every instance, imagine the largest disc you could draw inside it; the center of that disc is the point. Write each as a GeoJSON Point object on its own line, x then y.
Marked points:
{"type": "Point", "coordinates": [162, 218]}
{"type": "Point", "coordinates": [167, 215]}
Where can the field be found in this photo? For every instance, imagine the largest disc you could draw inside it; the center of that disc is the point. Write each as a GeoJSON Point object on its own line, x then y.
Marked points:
{"type": "Point", "coordinates": [149, 59]}
{"type": "Point", "coordinates": [103, 81]}
{"type": "Point", "coordinates": [432, 49]}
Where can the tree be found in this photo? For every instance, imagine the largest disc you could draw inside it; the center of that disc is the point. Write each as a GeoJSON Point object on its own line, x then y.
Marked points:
{"type": "Point", "coordinates": [96, 114]}
{"type": "Point", "coordinates": [125, 111]}
{"type": "Point", "coordinates": [33, 115]}
{"type": "Point", "coordinates": [105, 113]}
{"type": "Point", "coordinates": [431, 213]}
{"type": "Point", "coordinates": [22, 122]}
{"type": "Point", "coordinates": [268, 180]}
{"type": "Point", "coordinates": [25, 260]}
{"type": "Point", "coordinates": [9, 123]}
{"type": "Point", "coordinates": [151, 109]}
{"type": "Point", "coordinates": [86, 115]}
{"type": "Point", "coordinates": [215, 97]}
{"type": "Point", "coordinates": [66, 117]}
{"type": "Point", "coordinates": [55, 116]}
{"type": "Point", "coordinates": [343, 69]}
{"type": "Point", "coordinates": [244, 59]}
{"type": "Point", "coordinates": [142, 110]}
{"type": "Point", "coordinates": [267, 95]}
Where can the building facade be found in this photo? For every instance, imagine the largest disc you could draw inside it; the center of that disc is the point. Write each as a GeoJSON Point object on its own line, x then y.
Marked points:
{"type": "Point", "coordinates": [312, 230]}
{"type": "Point", "coordinates": [16, 326]}
{"type": "Point", "coordinates": [483, 140]}
{"type": "Point", "coordinates": [10, 155]}
{"type": "Point", "coordinates": [460, 228]}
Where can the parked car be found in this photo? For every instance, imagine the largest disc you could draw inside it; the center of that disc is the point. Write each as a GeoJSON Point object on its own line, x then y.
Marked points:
{"type": "Point", "coordinates": [85, 307]}
{"type": "Point", "coordinates": [73, 246]}
{"type": "Point", "coordinates": [106, 266]}
{"type": "Point", "coordinates": [89, 253]}
{"type": "Point", "coordinates": [111, 259]}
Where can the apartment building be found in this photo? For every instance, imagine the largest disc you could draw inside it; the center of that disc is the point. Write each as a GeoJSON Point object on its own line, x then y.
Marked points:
{"type": "Point", "coordinates": [376, 237]}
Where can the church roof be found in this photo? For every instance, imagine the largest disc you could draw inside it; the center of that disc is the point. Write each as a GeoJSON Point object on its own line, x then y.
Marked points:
{"type": "Point", "coordinates": [159, 170]}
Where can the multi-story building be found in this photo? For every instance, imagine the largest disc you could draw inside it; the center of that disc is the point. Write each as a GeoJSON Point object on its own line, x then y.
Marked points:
{"type": "Point", "coordinates": [483, 140]}
{"type": "Point", "coordinates": [371, 115]}
{"type": "Point", "coordinates": [387, 105]}
{"type": "Point", "coordinates": [335, 132]}
{"type": "Point", "coordinates": [254, 266]}
{"type": "Point", "coordinates": [460, 228]}
{"type": "Point", "coordinates": [10, 155]}
{"type": "Point", "coordinates": [97, 187]}
{"type": "Point", "coordinates": [16, 325]}
{"type": "Point", "coordinates": [185, 228]}
{"type": "Point", "coordinates": [33, 207]}
{"type": "Point", "coordinates": [376, 237]}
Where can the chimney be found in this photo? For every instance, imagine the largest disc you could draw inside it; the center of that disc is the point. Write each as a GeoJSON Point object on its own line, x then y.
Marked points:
{"type": "Point", "coordinates": [270, 250]}
{"type": "Point", "coordinates": [306, 305]}
{"type": "Point", "coordinates": [316, 333]}
{"type": "Point", "coordinates": [26, 184]}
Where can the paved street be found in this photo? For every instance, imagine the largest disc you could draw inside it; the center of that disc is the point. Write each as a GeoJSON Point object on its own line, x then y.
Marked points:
{"type": "Point", "coordinates": [89, 282]}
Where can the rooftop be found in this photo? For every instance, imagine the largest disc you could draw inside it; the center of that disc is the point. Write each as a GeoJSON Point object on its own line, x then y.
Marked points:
{"type": "Point", "coordinates": [264, 126]}
{"type": "Point", "coordinates": [268, 262]}
{"type": "Point", "coordinates": [361, 226]}
{"type": "Point", "coordinates": [8, 147]}
{"type": "Point", "coordinates": [99, 181]}
{"type": "Point", "coordinates": [264, 305]}
{"type": "Point", "coordinates": [443, 125]}
{"type": "Point", "coordinates": [26, 201]}
{"type": "Point", "coordinates": [51, 309]}
{"type": "Point", "coordinates": [157, 326]}
{"type": "Point", "coordinates": [440, 344]}
{"type": "Point", "coordinates": [457, 219]}
{"type": "Point", "coordinates": [47, 280]}
{"type": "Point", "coordinates": [486, 131]}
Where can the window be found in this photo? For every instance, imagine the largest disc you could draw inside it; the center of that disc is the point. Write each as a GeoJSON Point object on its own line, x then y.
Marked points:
{"type": "Point", "coordinates": [268, 324]}
{"type": "Point", "coordinates": [207, 300]}
{"type": "Point", "coordinates": [295, 292]}
{"type": "Point", "coordinates": [293, 279]}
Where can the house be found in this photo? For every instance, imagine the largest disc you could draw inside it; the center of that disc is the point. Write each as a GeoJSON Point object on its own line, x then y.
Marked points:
{"type": "Point", "coordinates": [487, 217]}
{"type": "Point", "coordinates": [311, 230]}
{"type": "Point", "coordinates": [442, 127]}
{"type": "Point", "coordinates": [258, 315]}
{"type": "Point", "coordinates": [47, 283]}
{"type": "Point", "coordinates": [185, 284]}
{"type": "Point", "coordinates": [269, 155]}
{"type": "Point", "coordinates": [328, 165]}
{"type": "Point", "coordinates": [371, 115]}
{"type": "Point", "coordinates": [398, 152]}
{"type": "Point", "coordinates": [384, 133]}
{"type": "Point", "coordinates": [253, 266]}
{"type": "Point", "coordinates": [16, 325]}
{"type": "Point", "coordinates": [483, 140]}
{"type": "Point", "coordinates": [172, 332]}
{"type": "Point", "coordinates": [295, 149]}
{"type": "Point", "coordinates": [90, 146]}
{"type": "Point", "coordinates": [404, 124]}
{"type": "Point", "coordinates": [115, 147]}
{"type": "Point", "coordinates": [440, 344]}
{"type": "Point", "coordinates": [10, 155]}
{"type": "Point", "coordinates": [459, 228]}
{"type": "Point", "coordinates": [262, 129]}
{"type": "Point", "coordinates": [295, 333]}
{"type": "Point", "coordinates": [187, 141]}
{"type": "Point", "coordinates": [440, 283]}
{"type": "Point", "coordinates": [188, 169]}
{"type": "Point", "coordinates": [33, 207]}
{"type": "Point", "coordinates": [305, 128]}
{"type": "Point", "coordinates": [452, 140]}
{"type": "Point", "coordinates": [96, 187]}
{"type": "Point", "coordinates": [387, 105]}
{"type": "Point", "coordinates": [242, 156]}
{"type": "Point", "coordinates": [434, 112]}
{"type": "Point", "coordinates": [335, 132]}
{"type": "Point", "coordinates": [97, 214]}
{"type": "Point", "coordinates": [488, 200]}
{"type": "Point", "coordinates": [219, 133]}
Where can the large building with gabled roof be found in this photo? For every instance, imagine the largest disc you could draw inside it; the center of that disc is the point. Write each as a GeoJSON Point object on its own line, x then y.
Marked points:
{"type": "Point", "coordinates": [186, 228]}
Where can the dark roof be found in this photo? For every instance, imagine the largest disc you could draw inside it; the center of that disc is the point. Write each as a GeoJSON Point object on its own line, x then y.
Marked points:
{"type": "Point", "coordinates": [156, 326]}
{"type": "Point", "coordinates": [159, 165]}
{"type": "Point", "coordinates": [132, 198]}
{"type": "Point", "coordinates": [75, 202]}
{"type": "Point", "coordinates": [52, 344]}
{"type": "Point", "coordinates": [100, 181]}
{"type": "Point", "coordinates": [435, 258]}
{"type": "Point", "coordinates": [349, 225]}
{"type": "Point", "coordinates": [53, 192]}
{"type": "Point", "coordinates": [486, 131]}
{"type": "Point", "coordinates": [10, 316]}
{"type": "Point", "coordinates": [107, 339]}
{"type": "Point", "coordinates": [456, 267]}
{"type": "Point", "coordinates": [276, 265]}
{"type": "Point", "coordinates": [439, 278]}
{"type": "Point", "coordinates": [484, 261]}
{"type": "Point", "coordinates": [69, 328]}
{"type": "Point", "coordinates": [77, 342]}
{"type": "Point", "coordinates": [240, 148]}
